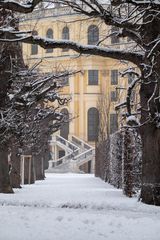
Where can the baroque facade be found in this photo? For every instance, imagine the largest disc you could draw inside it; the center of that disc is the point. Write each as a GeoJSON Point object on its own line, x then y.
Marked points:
{"type": "Point", "coordinates": [97, 76]}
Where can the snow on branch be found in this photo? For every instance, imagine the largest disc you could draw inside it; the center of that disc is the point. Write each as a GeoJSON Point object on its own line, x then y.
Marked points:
{"type": "Point", "coordinates": [141, 3]}
{"type": "Point", "coordinates": [16, 6]}
{"type": "Point", "coordinates": [84, 49]}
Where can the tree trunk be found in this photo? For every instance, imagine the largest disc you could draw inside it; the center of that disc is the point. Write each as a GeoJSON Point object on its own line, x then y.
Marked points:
{"type": "Point", "coordinates": [39, 167]}
{"type": "Point", "coordinates": [150, 192]}
{"type": "Point", "coordinates": [11, 59]}
{"type": "Point", "coordinates": [5, 186]}
{"type": "Point", "coordinates": [15, 177]}
{"type": "Point", "coordinates": [150, 134]}
{"type": "Point", "coordinates": [46, 159]}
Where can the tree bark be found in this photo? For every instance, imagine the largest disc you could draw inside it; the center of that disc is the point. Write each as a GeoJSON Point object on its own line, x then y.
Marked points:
{"type": "Point", "coordinates": [150, 192]}
{"type": "Point", "coordinates": [150, 134]}
{"type": "Point", "coordinates": [39, 167]}
{"type": "Point", "coordinates": [15, 177]}
{"type": "Point", "coordinates": [5, 186]}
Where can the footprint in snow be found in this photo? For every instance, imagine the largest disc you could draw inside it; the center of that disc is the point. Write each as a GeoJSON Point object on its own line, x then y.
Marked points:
{"type": "Point", "coordinates": [59, 218]}
{"type": "Point", "coordinates": [86, 221]}
{"type": "Point", "coordinates": [102, 235]}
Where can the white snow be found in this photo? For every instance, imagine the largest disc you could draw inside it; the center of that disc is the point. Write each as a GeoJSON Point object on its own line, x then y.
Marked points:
{"type": "Point", "coordinates": [75, 207]}
{"type": "Point", "coordinates": [132, 118]}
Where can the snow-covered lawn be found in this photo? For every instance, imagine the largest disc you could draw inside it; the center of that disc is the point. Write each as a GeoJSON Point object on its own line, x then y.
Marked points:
{"type": "Point", "coordinates": [75, 207]}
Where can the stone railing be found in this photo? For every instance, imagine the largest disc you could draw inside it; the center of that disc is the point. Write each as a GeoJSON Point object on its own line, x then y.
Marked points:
{"type": "Point", "coordinates": [84, 156]}
{"type": "Point", "coordinates": [63, 160]}
{"type": "Point", "coordinates": [77, 154]}
{"type": "Point", "coordinates": [81, 143]}
{"type": "Point", "coordinates": [67, 144]}
{"type": "Point", "coordinates": [48, 12]}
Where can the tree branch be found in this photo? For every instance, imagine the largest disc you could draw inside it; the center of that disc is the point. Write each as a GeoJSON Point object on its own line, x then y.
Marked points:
{"type": "Point", "coordinates": [18, 7]}
{"type": "Point", "coordinates": [135, 58]}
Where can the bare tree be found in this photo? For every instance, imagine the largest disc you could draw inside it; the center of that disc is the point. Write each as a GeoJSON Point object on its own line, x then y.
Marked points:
{"type": "Point", "coordinates": [25, 121]}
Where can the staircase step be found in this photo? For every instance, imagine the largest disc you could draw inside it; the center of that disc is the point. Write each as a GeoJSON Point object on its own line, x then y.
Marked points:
{"type": "Point", "coordinates": [81, 153]}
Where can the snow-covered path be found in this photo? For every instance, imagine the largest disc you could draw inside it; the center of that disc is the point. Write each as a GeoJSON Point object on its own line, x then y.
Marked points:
{"type": "Point", "coordinates": [75, 207]}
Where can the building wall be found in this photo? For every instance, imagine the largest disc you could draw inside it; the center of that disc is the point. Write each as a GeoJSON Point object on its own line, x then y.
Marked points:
{"type": "Point", "coordinates": [84, 96]}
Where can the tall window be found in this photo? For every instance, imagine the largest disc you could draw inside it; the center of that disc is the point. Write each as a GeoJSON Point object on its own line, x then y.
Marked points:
{"type": "Point", "coordinates": [113, 96]}
{"type": "Point", "coordinates": [65, 36]}
{"type": "Point", "coordinates": [34, 47]}
{"type": "Point", "coordinates": [114, 37]}
{"type": "Point", "coordinates": [64, 130]}
{"type": "Point", "coordinates": [93, 35]}
{"type": "Point", "coordinates": [114, 77]}
{"type": "Point", "coordinates": [49, 34]}
{"type": "Point", "coordinates": [92, 77]}
{"type": "Point", "coordinates": [113, 123]}
{"type": "Point", "coordinates": [65, 79]}
{"type": "Point", "coordinates": [93, 124]}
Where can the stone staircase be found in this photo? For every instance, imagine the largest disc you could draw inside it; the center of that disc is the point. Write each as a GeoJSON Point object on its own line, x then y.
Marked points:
{"type": "Point", "coordinates": [77, 153]}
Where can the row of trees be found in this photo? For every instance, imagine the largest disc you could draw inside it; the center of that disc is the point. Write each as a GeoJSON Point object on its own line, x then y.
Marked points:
{"type": "Point", "coordinates": [140, 22]}
{"type": "Point", "coordinates": [26, 119]}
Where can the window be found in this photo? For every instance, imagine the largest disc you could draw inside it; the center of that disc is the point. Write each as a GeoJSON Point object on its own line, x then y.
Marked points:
{"type": "Point", "coordinates": [93, 124]}
{"type": "Point", "coordinates": [93, 77]}
{"type": "Point", "coordinates": [93, 35]}
{"type": "Point", "coordinates": [114, 77]}
{"type": "Point", "coordinates": [49, 34]}
{"type": "Point", "coordinates": [114, 38]}
{"type": "Point", "coordinates": [113, 96]}
{"type": "Point", "coordinates": [65, 33]}
{"type": "Point", "coordinates": [34, 47]}
{"type": "Point", "coordinates": [65, 36]}
{"type": "Point", "coordinates": [113, 123]}
{"type": "Point", "coordinates": [65, 80]}
{"type": "Point", "coordinates": [64, 129]}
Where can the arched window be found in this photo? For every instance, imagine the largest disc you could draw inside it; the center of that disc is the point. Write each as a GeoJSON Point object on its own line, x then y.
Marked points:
{"type": "Point", "coordinates": [49, 34]}
{"type": "Point", "coordinates": [65, 79]}
{"type": "Point", "coordinates": [65, 33]}
{"type": "Point", "coordinates": [93, 124]}
{"type": "Point", "coordinates": [65, 36]}
{"type": "Point", "coordinates": [93, 35]}
{"type": "Point", "coordinates": [114, 37]}
{"type": "Point", "coordinates": [64, 130]}
{"type": "Point", "coordinates": [113, 123]}
{"type": "Point", "coordinates": [34, 47]}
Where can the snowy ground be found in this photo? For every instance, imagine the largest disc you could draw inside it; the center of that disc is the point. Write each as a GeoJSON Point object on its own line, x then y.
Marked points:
{"type": "Point", "coordinates": [75, 207]}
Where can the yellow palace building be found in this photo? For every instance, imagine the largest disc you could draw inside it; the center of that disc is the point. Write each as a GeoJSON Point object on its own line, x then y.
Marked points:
{"type": "Point", "coordinates": [98, 76]}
